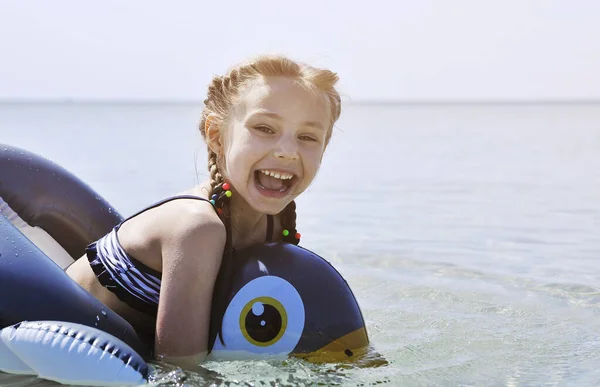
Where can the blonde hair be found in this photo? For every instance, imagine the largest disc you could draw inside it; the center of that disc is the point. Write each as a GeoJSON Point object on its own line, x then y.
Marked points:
{"type": "Point", "coordinates": [224, 89]}
{"type": "Point", "coordinates": [221, 97]}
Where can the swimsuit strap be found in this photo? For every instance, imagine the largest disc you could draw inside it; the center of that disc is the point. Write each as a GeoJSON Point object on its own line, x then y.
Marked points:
{"type": "Point", "coordinates": [164, 201]}
{"type": "Point", "coordinates": [269, 217]}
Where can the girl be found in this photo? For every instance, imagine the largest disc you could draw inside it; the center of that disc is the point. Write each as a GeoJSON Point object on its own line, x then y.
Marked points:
{"type": "Point", "coordinates": [266, 125]}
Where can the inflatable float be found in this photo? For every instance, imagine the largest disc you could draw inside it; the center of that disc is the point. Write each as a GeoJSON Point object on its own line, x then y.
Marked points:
{"type": "Point", "coordinates": [285, 300]}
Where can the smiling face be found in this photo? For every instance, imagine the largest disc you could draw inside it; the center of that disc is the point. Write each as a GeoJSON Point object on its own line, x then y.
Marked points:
{"type": "Point", "coordinates": [273, 142]}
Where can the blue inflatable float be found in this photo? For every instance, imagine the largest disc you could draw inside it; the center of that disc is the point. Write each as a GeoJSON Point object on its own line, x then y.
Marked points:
{"type": "Point", "coordinates": [284, 300]}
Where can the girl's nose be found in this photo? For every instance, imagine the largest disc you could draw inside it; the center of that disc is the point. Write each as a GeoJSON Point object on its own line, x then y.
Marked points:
{"type": "Point", "coordinates": [287, 148]}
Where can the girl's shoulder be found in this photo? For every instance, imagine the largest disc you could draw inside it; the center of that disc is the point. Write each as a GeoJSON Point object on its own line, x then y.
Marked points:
{"type": "Point", "coordinates": [183, 214]}
{"type": "Point", "coordinates": [172, 221]}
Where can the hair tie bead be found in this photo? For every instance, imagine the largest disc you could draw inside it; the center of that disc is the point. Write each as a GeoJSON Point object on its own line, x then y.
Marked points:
{"type": "Point", "coordinates": [298, 235]}
{"type": "Point", "coordinates": [228, 193]}
{"type": "Point", "coordinates": [226, 186]}
{"type": "Point", "coordinates": [215, 197]}
{"type": "Point", "coordinates": [285, 232]}
{"type": "Point", "coordinates": [212, 202]}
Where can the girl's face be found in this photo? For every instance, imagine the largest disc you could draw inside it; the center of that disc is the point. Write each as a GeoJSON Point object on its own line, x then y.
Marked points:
{"type": "Point", "coordinates": [274, 141]}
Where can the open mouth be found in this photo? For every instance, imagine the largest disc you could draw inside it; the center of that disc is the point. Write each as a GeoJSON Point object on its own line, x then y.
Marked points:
{"type": "Point", "coordinates": [274, 183]}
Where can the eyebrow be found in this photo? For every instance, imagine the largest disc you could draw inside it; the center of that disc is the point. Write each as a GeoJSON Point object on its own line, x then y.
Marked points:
{"type": "Point", "coordinates": [276, 116]}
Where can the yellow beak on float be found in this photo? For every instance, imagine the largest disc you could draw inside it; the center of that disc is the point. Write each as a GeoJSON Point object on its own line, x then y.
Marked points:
{"type": "Point", "coordinates": [353, 347]}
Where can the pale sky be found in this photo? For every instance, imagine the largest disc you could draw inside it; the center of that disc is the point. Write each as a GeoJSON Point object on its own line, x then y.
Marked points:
{"type": "Point", "coordinates": [411, 50]}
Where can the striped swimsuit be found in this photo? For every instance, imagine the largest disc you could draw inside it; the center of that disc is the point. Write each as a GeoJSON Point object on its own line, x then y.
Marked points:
{"type": "Point", "coordinates": [129, 279]}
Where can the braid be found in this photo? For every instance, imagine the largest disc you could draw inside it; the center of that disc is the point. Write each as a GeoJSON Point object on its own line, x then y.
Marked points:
{"type": "Point", "coordinates": [215, 175]}
{"type": "Point", "coordinates": [220, 93]}
{"type": "Point", "coordinates": [288, 221]}
{"type": "Point", "coordinates": [223, 280]}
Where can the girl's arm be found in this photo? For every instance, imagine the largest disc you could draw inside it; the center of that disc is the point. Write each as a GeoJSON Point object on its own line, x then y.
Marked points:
{"type": "Point", "coordinates": [191, 245]}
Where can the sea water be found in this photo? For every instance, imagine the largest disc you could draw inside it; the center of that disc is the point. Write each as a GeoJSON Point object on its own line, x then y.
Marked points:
{"type": "Point", "coordinates": [469, 233]}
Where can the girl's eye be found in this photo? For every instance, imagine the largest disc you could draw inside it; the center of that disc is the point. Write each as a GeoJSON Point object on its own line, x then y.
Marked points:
{"type": "Point", "coordinates": [308, 138]}
{"type": "Point", "coordinates": [264, 129]}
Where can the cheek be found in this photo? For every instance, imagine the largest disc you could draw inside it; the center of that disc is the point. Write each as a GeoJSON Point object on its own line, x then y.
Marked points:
{"type": "Point", "coordinates": [240, 157]}
{"type": "Point", "coordinates": [312, 160]}
{"type": "Point", "coordinates": [234, 164]}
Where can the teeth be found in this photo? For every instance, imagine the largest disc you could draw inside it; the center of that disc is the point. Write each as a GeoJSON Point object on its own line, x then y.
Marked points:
{"type": "Point", "coordinates": [282, 176]}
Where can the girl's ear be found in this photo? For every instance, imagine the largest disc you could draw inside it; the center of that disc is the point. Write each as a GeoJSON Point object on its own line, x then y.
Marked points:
{"type": "Point", "coordinates": [213, 135]}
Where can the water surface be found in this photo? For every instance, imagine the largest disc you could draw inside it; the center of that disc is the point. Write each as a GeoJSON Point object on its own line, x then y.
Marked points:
{"type": "Point", "coordinates": [470, 234]}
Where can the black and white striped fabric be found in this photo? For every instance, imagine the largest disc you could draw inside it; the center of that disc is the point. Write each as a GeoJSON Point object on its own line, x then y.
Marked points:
{"type": "Point", "coordinates": [133, 282]}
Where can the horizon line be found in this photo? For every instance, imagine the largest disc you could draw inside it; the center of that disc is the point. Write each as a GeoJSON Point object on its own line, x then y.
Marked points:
{"type": "Point", "coordinates": [159, 101]}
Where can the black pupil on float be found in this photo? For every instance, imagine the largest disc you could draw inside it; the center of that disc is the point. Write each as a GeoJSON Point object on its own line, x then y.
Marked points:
{"type": "Point", "coordinates": [265, 327]}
